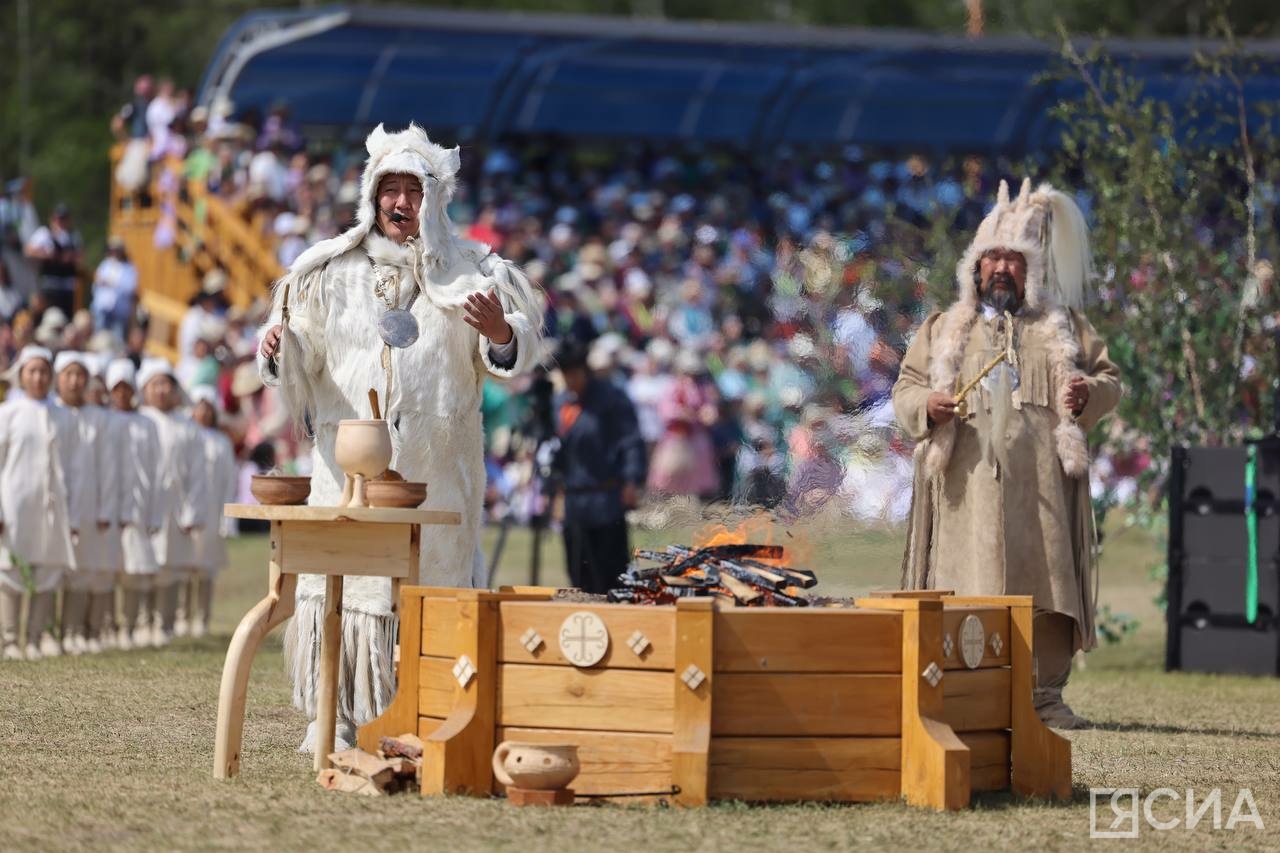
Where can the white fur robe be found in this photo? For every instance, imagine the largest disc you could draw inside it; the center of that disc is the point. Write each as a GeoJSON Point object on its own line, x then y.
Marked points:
{"type": "Point", "coordinates": [36, 489]}
{"type": "Point", "coordinates": [433, 409]}
{"type": "Point", "coordinates": [330, 357]}
{"type": "Point", "coordinates": [436, 434]}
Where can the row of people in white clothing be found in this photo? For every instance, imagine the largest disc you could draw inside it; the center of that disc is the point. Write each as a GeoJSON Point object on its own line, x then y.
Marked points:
{"type": "Point", "coordinates": [105, 497]}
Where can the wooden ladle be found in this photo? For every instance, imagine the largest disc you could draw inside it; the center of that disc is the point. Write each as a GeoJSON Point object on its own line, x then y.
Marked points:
{"type": "Point", "coordinates": [373, 404]}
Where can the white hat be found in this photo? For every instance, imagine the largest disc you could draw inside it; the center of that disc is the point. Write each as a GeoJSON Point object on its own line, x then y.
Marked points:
{"type": "Point", "coordinates": [29, 353]}
{"type": "Point", "coordinates": [284, 224]}
{"type": "Point", "coordinates": [245, 380]}
{"type": "Point", "coordinates": [214, 282]}
{"type": "Point", "coordinates": [121, 370]}
{"type": "Point", "coordinates": [66, 358]}
{"type": "Point", "coordinates": [98, 362]}
{"type": "Point", "coordinates": [53, 318]}
{"type": "Point", "coordinates": [103, 341]}
{"type": "Point", "coordinates": [212, 330]}
{"type": "Point", "coordinates": [205, 394]}
{"type": "Point", "coordinates": [1049, 230]}
{"type": "Point", "coordinates": [687, 361]}
{"type": "Point", "coordinates": [153, 367]}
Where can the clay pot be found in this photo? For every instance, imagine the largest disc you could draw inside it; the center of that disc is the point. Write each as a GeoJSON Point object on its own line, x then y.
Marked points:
{"type": "Point", "coordinates": [280, 491]}
{"type": "Point", "coordinates": [535, 766]}
{"type": "Point", "coordinates": [362, 450]}
{"type": "Point", "coordinates": [395, 493]}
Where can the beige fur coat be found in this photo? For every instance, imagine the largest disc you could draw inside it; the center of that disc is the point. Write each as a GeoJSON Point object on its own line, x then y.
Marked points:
{"type": "Point", "coordinates": [1024, 526]}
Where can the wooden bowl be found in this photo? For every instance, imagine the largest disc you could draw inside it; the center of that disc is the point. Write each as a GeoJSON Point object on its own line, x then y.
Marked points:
{"type": "Point", "coordinates": [393, 493]}
{"type": "Point", "coordinates": [280, 491]}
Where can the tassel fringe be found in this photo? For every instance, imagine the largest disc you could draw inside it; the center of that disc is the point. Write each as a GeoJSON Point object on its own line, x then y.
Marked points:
{"type": "Point", "coordinates": [366, 672]}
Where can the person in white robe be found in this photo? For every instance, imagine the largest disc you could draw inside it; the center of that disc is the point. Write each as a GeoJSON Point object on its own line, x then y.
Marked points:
{"type": "Point", "coordinates": [36, 439]}
{"type": "Point", "coordinates": [221, 480]}
{"type": "Point", "coordinates": [87, 591]}
{"type": "Point", "coordinates": [475, 315]}
{"type": "Point", "coordinates": [180, 489]}
{"type": "Point", "coordinates": [141, 511]}
{"type": "Point", "coordinates": [103, 626]}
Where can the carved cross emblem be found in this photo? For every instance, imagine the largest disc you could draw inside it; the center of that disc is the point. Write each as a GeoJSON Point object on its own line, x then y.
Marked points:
{"type": "Point", "coordinates": [583, 638]}
{"type": "Point", "coordinates": [973, 641]}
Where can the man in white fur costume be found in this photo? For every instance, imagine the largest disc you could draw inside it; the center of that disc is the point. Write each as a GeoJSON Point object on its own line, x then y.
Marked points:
{"type": "Point", "coordinates": [474, 315]}
{"type": "Point", "coordinates": [1001, 493]}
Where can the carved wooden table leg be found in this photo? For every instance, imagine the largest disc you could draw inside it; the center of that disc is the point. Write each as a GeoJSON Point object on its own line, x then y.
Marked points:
{"type": "Point", "coordinates": [256, 624]}
{"type": "Point", "coordinates": [330, 656]}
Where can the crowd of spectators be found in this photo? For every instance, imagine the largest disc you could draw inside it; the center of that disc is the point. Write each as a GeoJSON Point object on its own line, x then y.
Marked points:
{"type": "Point", "coordinates": [754, 309]}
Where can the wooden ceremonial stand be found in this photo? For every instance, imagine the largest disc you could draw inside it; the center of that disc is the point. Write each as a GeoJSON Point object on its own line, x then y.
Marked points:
{"type": "Point", "coordinates": [330, 541]}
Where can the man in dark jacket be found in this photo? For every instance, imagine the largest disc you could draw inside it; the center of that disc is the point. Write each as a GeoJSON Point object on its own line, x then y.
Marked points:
{"type": "Point", "coordinates": [601, 466]}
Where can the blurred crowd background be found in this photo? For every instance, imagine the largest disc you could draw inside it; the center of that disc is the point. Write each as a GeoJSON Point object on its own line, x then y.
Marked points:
{"type": "Point", "coordinates": [755, 310]}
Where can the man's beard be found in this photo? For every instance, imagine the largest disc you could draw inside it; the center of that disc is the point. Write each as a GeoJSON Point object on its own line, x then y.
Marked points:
{"type": "Point", "coordinates": [1002, 299]}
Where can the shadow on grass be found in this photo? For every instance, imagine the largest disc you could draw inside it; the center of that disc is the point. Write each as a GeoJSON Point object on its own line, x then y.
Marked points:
{"type": "Point", "coordinates": [1152, 728]}
{"type": "Point", "coordinates": [997, 800]}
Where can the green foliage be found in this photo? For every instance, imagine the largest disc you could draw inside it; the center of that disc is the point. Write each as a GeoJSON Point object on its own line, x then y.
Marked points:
{"type": "Point", "coordinates": [1176, 231]}
{"type": "Point", "coordinates": [1113, 627]}
{"type": "Point", "coordinates": [81, 61]}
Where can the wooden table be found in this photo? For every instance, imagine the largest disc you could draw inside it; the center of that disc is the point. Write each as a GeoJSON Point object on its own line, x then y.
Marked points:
{"type": "Point", "coordinates": [312, 540]}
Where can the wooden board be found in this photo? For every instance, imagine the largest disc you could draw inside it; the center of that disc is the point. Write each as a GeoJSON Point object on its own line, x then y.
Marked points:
{"type": "Point", "coordinates": [561, 697]}
{"type": "Point", "coordinates": [456, 757]}
{"type": "Point", "coordinates": [995, 620]}
{"type": "Point", "coordinates": [786, 769]}
{"type": "Point", "coordinates": [808, 640]}
{"type": "Point", "coordinates": [694, 685]}
{"type": "Point", "coordinates": [621, 621]}
{"type": "Point", "coordinates": [435, 686]}
{"type": "Point", "coordinates": [427, 725]}
{"type": "Point", "coordinates": [439, 627]}
{"type": "Point", "coordinates": [341, 548]}
{"type": "Point", "coordinates": [612, 762]}
{"type": "Point", "coordinates": [976, 699]}
{"type": "Point", "coordinates": [376, 515]}
{"type": "Point", "coordinates": [807, 705]}
{"type": "Point", "coordinates": [401, 715]}
{"type": "Point", "coordinates": [988, 760]}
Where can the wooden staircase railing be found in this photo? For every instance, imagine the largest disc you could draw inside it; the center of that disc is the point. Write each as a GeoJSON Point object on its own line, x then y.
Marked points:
{"type": "Point", "coordinates": [208, 233]}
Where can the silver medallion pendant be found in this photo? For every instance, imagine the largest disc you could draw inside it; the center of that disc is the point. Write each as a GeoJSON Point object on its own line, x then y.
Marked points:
{"type": "Point", "coordinates": [398, 328]}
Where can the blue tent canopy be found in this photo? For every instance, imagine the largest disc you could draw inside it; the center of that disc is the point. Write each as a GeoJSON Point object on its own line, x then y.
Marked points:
{"type": "Point", "coordinates": [480, 75]}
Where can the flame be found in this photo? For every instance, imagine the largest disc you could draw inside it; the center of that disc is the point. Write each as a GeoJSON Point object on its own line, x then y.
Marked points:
{"type": "Point", "coordinates": [761, 529]}
{"type": "Point", "coordinates": [757, 530]}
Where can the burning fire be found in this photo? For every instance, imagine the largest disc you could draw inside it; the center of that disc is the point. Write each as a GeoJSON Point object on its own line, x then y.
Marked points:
{"type": "Point", "coordinates": [758, 529]}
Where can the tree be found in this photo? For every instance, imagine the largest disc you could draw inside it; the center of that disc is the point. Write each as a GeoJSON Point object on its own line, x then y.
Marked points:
{"type": "Point", "coordinates": [1178, 227]}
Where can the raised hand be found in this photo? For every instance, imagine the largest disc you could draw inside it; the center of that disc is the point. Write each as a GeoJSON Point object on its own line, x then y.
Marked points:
{"type": "Point", "coordinates": [271, 341]}
{"type": "Point", "coordinates": [485, 315]}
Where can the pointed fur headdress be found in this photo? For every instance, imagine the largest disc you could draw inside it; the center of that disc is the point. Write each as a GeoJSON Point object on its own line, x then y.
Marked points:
{"type": "Point", "coordinates": [406, 152]}
{"type": "Point", "coordinates": [1049, 230]}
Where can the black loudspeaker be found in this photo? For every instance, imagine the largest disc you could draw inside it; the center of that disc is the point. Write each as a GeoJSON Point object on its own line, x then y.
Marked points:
{"type": "Point", "coordinates": [1209, 558]}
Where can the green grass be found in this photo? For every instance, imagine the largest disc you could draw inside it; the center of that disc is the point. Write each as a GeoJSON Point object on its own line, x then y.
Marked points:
{"type": "Point", "coordinates": [115, 751]}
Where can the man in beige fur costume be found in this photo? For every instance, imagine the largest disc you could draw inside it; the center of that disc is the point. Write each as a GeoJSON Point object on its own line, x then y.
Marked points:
{"type": "Point", "coordinates": [402, 305]}
{"type": "Point", "coordinates": [1001, 494]}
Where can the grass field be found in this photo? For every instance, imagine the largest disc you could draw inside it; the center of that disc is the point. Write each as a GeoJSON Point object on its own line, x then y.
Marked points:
{"type": "Point", "coordinates": [115, 751]}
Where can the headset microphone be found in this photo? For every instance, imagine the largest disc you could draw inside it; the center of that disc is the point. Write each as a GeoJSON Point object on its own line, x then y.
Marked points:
{"type": "Point", "coordinates": [394, 216]}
